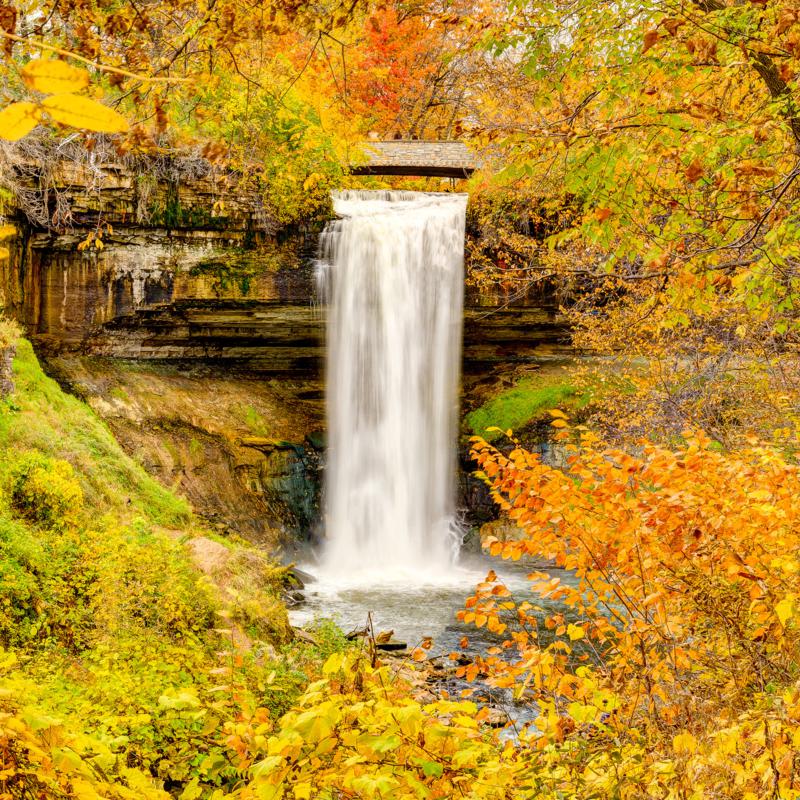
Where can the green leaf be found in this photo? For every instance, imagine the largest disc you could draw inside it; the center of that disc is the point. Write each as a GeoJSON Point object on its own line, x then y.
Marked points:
{"type": "Point", "coordinates": [432, 769]}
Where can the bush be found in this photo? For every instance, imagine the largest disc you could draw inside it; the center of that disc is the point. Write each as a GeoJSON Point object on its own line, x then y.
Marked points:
{"type": "Point", "coordinates": [673, 670]}
{"type": "Point", "coordinates": [20, 591]}
{"type": "Point", "coordinates": [146, 581]}
{"type": "Point", "coordinates": [46, 492]}
{"type": "Point", "coordinates": [43, 758]}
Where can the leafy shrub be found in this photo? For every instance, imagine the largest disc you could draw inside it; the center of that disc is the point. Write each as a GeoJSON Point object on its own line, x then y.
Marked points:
{"type": "Point", "coordinates": [20, 590]}
{"type": "Point", "coordinates": [46, 584]}
{"type": "Point", "coordinates": [146, 581]}
{"type": "Point", "coordinates": [43, 758]}
{"type": "Point", "coordinates": [357, 733]}
{"type": "Point", "coordinates": [673, 672]}
{"type": "Point", "coordinates": [45, 491]}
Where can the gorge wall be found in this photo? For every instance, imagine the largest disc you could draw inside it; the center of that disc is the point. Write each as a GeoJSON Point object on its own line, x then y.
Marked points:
{"type": "Point", "coordinates": [193, 329]}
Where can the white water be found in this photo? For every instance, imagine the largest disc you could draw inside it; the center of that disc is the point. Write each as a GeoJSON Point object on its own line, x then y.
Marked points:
{"type": "Point", "coordinates": [393, 276]}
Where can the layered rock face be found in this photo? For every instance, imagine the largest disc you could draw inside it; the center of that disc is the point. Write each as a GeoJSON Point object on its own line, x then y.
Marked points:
{"type": "Point", "coordinates": [202, 344]}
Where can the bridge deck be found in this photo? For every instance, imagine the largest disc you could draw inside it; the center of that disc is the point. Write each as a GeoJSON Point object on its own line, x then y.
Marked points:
{"type": "Point", "coordinates": [440, 159]}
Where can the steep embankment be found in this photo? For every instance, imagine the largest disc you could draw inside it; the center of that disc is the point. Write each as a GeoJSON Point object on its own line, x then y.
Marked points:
{"type": "Point", "coordinates": [130, 638]}
{"type": "Point", "coordinates": [241, 447]}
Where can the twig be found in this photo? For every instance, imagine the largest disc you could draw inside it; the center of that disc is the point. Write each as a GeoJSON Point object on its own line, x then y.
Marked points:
{"type": "Point", "coordinates": [102, 67]}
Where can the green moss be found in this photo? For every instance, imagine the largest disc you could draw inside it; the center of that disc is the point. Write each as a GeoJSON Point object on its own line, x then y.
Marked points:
{"type": "Point", "coordinates": [196, 449]}
{"type": "Point", "coordinates": [248, 415]}
{"type": "Point", "coordinates": [120, 394]}
{"type": "Point", "coordinates": [525, 403]}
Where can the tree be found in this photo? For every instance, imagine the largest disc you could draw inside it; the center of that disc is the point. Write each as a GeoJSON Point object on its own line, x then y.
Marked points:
{"type": "Point", "coordinates": [669, 666]}
{"type": "Point", "coordinates": [674, 126]}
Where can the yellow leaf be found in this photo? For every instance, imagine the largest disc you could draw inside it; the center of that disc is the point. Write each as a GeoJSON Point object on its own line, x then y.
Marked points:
{"type": "Point", "coordinates": [559, 423]}
{"type": "Point", "coordinates": [18, 120]}
{"type": "Point", "coordinates": [784, 610]}
{"type": "Point", "coordinates": [4, 253]}
{"type": "Point", "coordinates": [81, 112]}
{"type": "Point", "coordinates": [302, 791]}
{"type": "Point", "coordinates": [54, 77]}
{"type": "Point", "coordinates": [554, 412]}
{"type": "Point", "coordinates": [575, 632]}
{"type": "Point", "coordinates": [334, 664]}
{"type": "Point", "coordinates": [684, 743]}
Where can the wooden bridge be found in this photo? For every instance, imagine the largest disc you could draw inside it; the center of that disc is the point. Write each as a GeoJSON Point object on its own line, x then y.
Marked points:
{"type": "Point", "coordinates": [438, 159]}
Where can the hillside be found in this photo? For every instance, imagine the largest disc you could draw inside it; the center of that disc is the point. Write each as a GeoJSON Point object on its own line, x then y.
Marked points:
{"type": "Point", "coordinates": [123, 659]}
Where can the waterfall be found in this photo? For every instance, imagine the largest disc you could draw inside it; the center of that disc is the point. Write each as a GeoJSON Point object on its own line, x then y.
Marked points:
{"type": "Point", "coordinates": [392, 269]}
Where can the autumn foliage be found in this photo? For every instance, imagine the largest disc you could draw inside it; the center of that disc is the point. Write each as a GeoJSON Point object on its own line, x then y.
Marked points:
{"type": "Point", "coordinates": [672, 670]}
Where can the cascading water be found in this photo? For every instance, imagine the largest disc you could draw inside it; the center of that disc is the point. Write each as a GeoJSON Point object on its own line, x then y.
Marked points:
{"type": "Point", "coordinates": [393, 278]}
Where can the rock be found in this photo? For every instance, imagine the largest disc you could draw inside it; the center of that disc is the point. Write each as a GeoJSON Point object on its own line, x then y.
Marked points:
{"type": "Point", "coordinates": [300, 577]}
{"type": "Point", "coordinates": [502, 529]}
{"type": "Point", "coordinates": [317, 439]}
{"type": "Point", "coordinates": [304, 636]}
{"type": "Point", "coordinates": [210, 556]}
{"type": "Point", "coordinates": [391, 645]}
{"type": "Point", "coordinates": [293, 598]}
{"type": "Point", "coordinates": [6, 370]}
{"type": "Point", "coordinates": [496, 718]}
{"type": "Point", "coordinates": [266, 445]}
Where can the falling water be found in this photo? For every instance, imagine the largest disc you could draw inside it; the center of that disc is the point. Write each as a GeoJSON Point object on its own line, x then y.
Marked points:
{"type": "Point", "coordinates": [393, 275]}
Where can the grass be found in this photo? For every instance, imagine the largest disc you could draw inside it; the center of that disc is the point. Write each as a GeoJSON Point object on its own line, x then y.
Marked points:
{"type": "Point", "coordinates": [9, 331]}
{"type": "Point", "coordinates": [527, 402]}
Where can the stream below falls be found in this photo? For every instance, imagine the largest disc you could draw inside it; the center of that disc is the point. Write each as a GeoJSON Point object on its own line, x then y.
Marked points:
{"type": "Point", "coordinates": [414, 610]}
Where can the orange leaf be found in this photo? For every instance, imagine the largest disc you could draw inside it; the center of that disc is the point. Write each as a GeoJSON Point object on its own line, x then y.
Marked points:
{"type": "Point", "coordinates": [418, 654]}
{"type": "Point", "coordinates": [602, 214]}
{"type": "Point", "coordinates": [650, 38]}
{"type": "Point", "coordinates": [694, 171]}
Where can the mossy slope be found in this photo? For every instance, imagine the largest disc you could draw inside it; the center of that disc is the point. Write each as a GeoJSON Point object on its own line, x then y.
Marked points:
{"type": "Point", "coordinates": [526, 403]}
{"type": "Point", "coordinates": [117, 653]}
{"type": "Point", "coordinates": [43, 418]}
